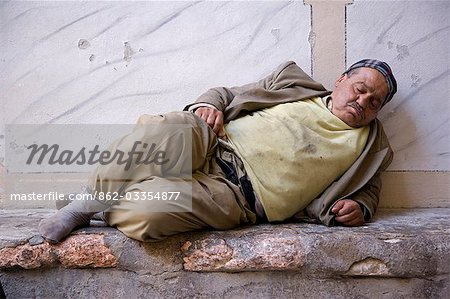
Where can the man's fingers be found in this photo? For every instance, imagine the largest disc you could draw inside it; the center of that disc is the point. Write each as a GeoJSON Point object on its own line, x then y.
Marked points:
{"type": "Point", "coordinates": [337, 206]}
{"type": "Point", "coordinates": [201, 112]}
{"type": "Point", "coordinates": [354, 222]}
{"type": "Point", "coordinates": [346, 209]}
{"type": "Point", "coordinates": [348, 212]}
{"type": "Point", "coordinates": [221, 133]}
{"type": "Point", "coordinates": [353, 218]}
{"type": "Point", "coordinates": [213, 117]}
{"type": "Point", "coordinates": [347, 217]}
{"type": "Point", "coordinates": [218, 124]}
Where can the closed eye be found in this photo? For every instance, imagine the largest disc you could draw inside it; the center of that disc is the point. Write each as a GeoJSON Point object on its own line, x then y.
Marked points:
{"type": "Point", "coordinates": [361, 90]}
{"type": "Point", "coordinates": [358, 90]}
{"type": "Point", "coordinates": [375, 104]}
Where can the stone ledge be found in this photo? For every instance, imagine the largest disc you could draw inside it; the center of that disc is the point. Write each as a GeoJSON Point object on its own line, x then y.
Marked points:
{"type": "Point", "coordinates": [399, 243]}
{"type": "Point", "coordinates": [77, 251]}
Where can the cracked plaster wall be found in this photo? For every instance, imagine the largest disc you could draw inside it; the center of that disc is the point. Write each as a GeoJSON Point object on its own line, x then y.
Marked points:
{"type": "Point", "coordinates": [109, 62]}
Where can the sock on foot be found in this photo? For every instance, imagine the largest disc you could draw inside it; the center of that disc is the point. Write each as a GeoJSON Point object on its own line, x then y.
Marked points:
{"type": "Point", "coordinates": [76, 214]}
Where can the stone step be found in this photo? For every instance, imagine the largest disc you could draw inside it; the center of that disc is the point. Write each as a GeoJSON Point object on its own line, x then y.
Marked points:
{"type": "Point", "coordinates": [404, 253]}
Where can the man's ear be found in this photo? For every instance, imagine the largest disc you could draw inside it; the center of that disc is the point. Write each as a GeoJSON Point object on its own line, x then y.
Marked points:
{"type": "Point", "coordinates": [341, 78]}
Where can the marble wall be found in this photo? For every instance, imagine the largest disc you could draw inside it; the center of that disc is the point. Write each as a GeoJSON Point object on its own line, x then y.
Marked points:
{"type": "Point", "coordinates": [109, 62]}
{"type": "Point", "coordinates": [414, 38]}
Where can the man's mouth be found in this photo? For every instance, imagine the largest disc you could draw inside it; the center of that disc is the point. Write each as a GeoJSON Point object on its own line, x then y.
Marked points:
{"type": "Point", "coordinates": [358, 109]}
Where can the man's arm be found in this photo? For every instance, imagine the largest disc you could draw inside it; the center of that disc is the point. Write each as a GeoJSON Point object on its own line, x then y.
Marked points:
{"type": "Point", "coordinates": [285, 76]}
{"type": "Point", "coordinates": [361, 183]}
{"type": "Point", "coordinates": [361, 205]}
{"type": "Point", "coordinates": [211, 105]}
{"type": "Point", "coordinates": [221, 97]}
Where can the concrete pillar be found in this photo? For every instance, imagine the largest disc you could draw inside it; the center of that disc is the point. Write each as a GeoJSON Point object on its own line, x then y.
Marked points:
{"type": "Point", "coordinates": [327, 39]}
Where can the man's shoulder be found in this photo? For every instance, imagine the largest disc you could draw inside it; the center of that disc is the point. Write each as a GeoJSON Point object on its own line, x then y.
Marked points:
{"type": "Point", "coordinates": [290, 74]}
{"type": "Point", "coordinates": [289, 65]}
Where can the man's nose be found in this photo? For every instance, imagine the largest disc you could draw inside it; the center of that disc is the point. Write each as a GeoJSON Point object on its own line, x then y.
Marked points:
{"type": "Point", "coordinates": [363, 101]}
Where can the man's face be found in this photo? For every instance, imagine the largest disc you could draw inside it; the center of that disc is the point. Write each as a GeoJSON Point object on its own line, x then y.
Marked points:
{"type": "Point", "coordinates": [358, 98]}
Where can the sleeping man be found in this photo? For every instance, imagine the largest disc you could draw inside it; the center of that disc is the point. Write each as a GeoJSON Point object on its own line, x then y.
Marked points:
{"type": "Point", "coordinates": [262, 152]}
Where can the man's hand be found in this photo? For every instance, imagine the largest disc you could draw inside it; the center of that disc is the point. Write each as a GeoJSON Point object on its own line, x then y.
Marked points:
{"type": "Point", "coordinates": [213, 117]}
{"type": "Point", "coordinates": [348, 212]}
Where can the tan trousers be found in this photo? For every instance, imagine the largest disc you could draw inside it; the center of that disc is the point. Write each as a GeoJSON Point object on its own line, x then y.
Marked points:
{"type": "Point", "coordinates": [216, 202]}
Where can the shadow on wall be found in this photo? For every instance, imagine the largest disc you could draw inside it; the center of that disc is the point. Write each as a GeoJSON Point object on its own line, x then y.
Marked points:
{"type": "Point", "coordinates": [401, 129]}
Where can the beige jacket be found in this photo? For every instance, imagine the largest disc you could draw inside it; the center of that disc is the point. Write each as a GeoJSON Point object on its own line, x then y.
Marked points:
{"type": "Point", "coordinates": [288, 83]}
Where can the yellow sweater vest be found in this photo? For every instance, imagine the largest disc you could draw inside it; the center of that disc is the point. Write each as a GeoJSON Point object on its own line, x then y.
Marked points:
{"type": "Point", "coordinates": [293, 151]}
